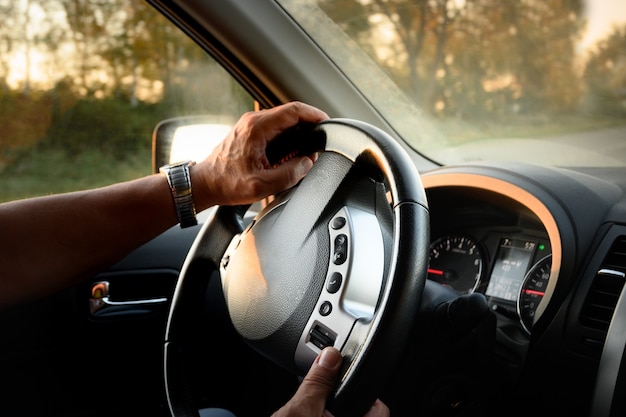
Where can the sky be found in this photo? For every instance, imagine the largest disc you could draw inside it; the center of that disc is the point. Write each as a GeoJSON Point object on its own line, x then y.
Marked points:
{"type": "Point", "coordinates": [602, 16]}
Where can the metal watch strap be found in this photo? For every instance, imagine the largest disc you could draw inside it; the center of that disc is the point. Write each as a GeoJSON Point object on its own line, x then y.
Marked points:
{"type": "Point", "coordinates": [180, 185]}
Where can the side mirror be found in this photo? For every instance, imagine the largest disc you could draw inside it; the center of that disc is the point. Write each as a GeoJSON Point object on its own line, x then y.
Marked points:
{"type": "Point", "coordinates": [188, 137]}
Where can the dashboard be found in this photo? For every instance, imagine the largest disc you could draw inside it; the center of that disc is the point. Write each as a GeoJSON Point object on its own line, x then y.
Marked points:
{"type": "Point", "coordinates": [547, 249]}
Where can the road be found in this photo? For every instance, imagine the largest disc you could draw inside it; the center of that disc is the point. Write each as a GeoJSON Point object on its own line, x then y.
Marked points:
{"type": "Point", "coordinates": [605, 147]}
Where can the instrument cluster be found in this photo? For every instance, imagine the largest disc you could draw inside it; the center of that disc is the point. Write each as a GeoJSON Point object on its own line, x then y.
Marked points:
{"type": "Point", "coordinates": [512, 270]}
{"type": "Point", "coordinates": [490, 244]}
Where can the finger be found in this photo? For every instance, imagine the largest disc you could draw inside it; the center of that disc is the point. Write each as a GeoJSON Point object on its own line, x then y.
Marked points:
{"type": "Point", "coordinates": [288, 174]}
{"type": "Point", "coordinates": [379, 409]}
{"type": "Point", "coordinates": [320, 380]}
{"type": "Point", "coordinates": [292, 113]}
{"type": "Point", "coordinates": [310, 398]}
{"type": "Point", "coordinates": [277, 119]}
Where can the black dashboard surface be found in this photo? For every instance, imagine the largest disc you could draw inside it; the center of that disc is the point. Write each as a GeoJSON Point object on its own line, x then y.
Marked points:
{"type": "Point", "coordinates": [546, 247]}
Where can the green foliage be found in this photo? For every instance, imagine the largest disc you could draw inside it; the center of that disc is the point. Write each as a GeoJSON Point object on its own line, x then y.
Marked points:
{"type": "Point", "coordinates": [24, 121]}
{"type": "Point", "coordinates": [605, 76]}
{"type": "Point", "coordinates": [115, 69]}
{"type": "Point", "coordinates": [40, 172]}
{"type": "Point", "coordinates": [92, 144]}
{"type": "Point", "coordinates": [110, 126]}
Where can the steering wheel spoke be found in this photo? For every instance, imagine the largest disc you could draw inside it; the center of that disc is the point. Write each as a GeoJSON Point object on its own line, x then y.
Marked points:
{"type": "Point", "coordinates": [354, 280]}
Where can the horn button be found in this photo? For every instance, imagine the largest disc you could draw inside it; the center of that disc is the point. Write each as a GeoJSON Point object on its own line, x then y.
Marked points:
{"type": "Point", "coordinates": [274, 281]}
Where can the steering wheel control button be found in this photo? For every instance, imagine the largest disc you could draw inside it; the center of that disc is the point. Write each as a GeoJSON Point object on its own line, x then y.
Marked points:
{"type": "Point", "coordinates": [338, 223]}
{"type": "Point", "coordinates": [326, 308]}
{"type": "Point", "coordinates": [225, 261]}
{"type": "Point", "coordinates": [334, 283]}
{"type": "Point", "coordinates": [321, 337]}
{"type": "Point", "coordinates": [352, 286]}
{"type": "Point", "coordinates": [341, 249]}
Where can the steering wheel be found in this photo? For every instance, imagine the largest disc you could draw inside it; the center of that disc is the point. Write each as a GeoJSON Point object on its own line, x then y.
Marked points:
{"type": "Point", "coordinates": [339, 260]}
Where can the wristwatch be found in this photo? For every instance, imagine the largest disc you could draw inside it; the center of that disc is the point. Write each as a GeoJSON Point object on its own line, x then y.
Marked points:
{"type": "Point", "coordinates": [180, 184]}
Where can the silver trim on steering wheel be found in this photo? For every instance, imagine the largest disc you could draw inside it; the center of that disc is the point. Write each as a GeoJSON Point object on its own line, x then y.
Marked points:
{"type": "Point", "coordinates": [353, 283]}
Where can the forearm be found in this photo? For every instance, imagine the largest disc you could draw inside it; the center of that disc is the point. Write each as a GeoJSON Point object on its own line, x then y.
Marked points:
{"type": "Point", "coordinates": [54, 242]}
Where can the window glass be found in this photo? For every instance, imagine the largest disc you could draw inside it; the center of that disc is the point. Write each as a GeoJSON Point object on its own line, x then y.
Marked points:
{"type": "Point", "coordinates": [83, 84]}
{"type": "Point", "coordinates": [540, 81]}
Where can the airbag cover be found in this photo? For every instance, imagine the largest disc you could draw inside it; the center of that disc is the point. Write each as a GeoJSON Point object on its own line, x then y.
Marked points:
{"type": "Point", "coordinates": [269, 276]}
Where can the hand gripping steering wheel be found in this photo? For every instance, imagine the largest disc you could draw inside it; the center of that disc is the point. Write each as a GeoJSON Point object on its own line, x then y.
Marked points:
{"type": "Point", "coordinates": [339, 260]}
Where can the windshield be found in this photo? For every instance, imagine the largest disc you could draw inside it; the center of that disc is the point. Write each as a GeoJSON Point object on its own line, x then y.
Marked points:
{"type": "Point", "coordinates": [540, 81]}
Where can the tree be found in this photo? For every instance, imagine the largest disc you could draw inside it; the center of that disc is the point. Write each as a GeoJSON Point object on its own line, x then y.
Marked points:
{"type": "Point", "coordinates": [475, 57]}
{"type": "Point", "coordinates": [88, 21]}
{"type": "Point", "coordinates": [605, 75]}
{"type": "Point", "coordinates": [18, 37]}
{"type": "Point", "coordinates": [7, 40]}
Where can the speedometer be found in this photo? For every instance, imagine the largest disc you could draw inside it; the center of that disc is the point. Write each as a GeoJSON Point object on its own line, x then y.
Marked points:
{"type": "Point", "coordinates": [533, 290]}
{"type": "Point", "coordinates": [456, 262]}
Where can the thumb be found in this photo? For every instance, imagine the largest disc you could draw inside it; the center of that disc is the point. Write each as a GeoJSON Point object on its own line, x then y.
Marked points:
{"type": "Point", "coordinates": [320, 380]}
{"type": "Point", "coordinates": [310, 399]}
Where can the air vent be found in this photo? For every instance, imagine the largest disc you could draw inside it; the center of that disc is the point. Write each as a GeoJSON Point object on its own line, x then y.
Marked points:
{"type": "Point", "coordinates": [597, 311]}
{"type": "Point", "coordinates": [616, 258]}
{"type": "Point", "coordinates": [602, 299]}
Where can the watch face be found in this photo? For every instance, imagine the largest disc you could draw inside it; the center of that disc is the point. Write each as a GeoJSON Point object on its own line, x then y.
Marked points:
{"type": "Point", "coordinates": [176, 164]}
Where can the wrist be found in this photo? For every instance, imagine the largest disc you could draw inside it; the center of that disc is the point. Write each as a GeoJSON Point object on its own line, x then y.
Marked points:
{"type": "Point", "coordinates": [179, 181]}
{"type": "Point", "coordinates": [203, 193]}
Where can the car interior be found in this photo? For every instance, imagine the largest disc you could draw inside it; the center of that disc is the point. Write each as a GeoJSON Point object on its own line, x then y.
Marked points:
{"type": "Point", "coordinates": [458, 277]}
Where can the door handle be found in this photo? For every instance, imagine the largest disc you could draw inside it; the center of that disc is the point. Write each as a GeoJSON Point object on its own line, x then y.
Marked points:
{"type": "Point", "coordinates": [100, 302]}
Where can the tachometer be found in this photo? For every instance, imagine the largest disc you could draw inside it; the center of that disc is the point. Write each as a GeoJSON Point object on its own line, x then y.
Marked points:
{"type": "Point", "coordinates": [533, 290]}
{"type": "Point", "coordinates": [457, 262]}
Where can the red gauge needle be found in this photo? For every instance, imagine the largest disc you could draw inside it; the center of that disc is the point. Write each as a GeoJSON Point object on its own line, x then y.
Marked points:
{"type": "Point", "coordinates": [435, 271]}
{"type": "Point", "coordinates": [533, 292]}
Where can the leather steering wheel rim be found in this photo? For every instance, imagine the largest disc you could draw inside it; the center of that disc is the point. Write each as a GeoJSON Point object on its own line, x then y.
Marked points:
{"type": "Point", "coordinates": [361, 171]}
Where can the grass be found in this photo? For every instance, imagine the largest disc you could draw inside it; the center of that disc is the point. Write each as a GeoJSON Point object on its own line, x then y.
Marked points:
{"type": "Point", "coordinates": [538, 126]}
{"type": "Point", "coordinates": [42, 172]}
